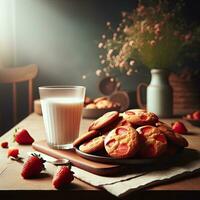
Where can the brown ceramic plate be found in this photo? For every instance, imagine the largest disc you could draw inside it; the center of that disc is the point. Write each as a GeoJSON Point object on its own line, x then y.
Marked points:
{"type": "Point", "coordinates": [94, 113]}
{"type": "Point", "coordinates": [126, 161]}
{"type": "Point", "coordinates": [194, 122]}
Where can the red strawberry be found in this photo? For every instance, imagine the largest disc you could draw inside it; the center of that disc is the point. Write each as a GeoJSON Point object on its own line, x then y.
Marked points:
{"type": "Point", "coordinates": [4, 144]}
{"type": "Point", "coordinates": [23, 137]}
{"type": "Point", "coordinates": [179, 127]}
{"type": "Point", "coordinates": [196, 115]}
{"type": "Point", "coordinates": [13, 152]}
{"type": "Point", "coordinates": [32, 167]}
{"type": "Point", "coordinates": [63, 176]}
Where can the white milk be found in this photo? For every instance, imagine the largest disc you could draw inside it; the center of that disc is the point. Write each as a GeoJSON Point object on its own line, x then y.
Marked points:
{"type": "Point", "coordinates": [61, 119]}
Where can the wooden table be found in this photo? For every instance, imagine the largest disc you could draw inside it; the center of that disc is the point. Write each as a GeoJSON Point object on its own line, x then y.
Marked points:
{"type": "Point", "coordinates": [12, 184]}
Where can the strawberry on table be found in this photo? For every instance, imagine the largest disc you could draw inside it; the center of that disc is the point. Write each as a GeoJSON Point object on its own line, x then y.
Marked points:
{"type": "Point", "coordinates": [13, 152]}
{"type": "Point", "coordinates": [22, 136]}
{"type": "Point", "coordinates": [4, 144]}
{"type": "Point", "coordinates": [63, 176]}
{"type": "Point", "coordinates": [32, 167]}
{"type": "Point", "coordinates": [196, 115]}
{"type": "Point", "coordinates": [179, 127]}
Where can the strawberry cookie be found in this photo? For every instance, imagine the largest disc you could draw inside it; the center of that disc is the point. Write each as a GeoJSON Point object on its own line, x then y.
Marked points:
{"type": "Point", "coordinates": [100, 99]}
{"type": "Point", "coordinates": [173, 137]}
{"type": "Point", "coordinates": [104, 104]}
{"type": "Point", "coordinates": [122, 142]}
{"type": "Point", "coordinates": [104, 120]}
{"type": "Point", "coordinates": [86, 136]}
{"type": "Point", "coordinates": [153, 142]}
{"type": "Point", "coordinates": [140, 117]}
{"type": "Point", "coordinates": [123, 122]}
{"type": "Point", "coordinates": [91, 146]}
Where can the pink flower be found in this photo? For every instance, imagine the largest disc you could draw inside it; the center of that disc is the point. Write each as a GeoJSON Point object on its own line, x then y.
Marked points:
{"type": "Point", "coordinates": [157, 31]}
{"type": "Point", "coordinates": [114, 34]}
{"type": "Point", "coordinates": [188, 37]}
{"type": "Point", "coordinates": [132, 62]}
{"type": "Point", "coordinates": [98, 72]}
{"type": "Point", "coordinates": [103, 36]}
{"type": "Point", "coordinates": [140, 8]}
{"type": "Point", "coordinates": [124, 14]}
{"type": "Point", "coordinates": [103, 62]}
{"type": "Point", "coordinates": [118, 29]}
{"type": "Point", "coordinates": [110, 51]}
{"type": "Point", "coordinates": [152, 43]}
{"type": "Point", "coordinates": [108, 23]}
{"type": "Point", "coordinates": [129, 72]}
{"type": "Point", "coordinates": [100, 45]}
{"type": "Point", "coordinates": [131, 43]}
{"type": "Point", "coordinates": [122, 64]}
{"type": "Point", "coordinates": [157, 26]}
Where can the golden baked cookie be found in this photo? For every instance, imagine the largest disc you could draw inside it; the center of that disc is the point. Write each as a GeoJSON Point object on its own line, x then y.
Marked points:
{"type": "Point", "coordinates": [152, 142]}
{"type": "Point", "coordinates": [104, 120]}
{"type": "Point", "coordinates": [123, 122]}
{"type": "Point", "coordinates": [122, 142]}
{"type": "Point", "coordinates": [93, 145]}
{"type": "Point", "coordinates": [85, 137]}
{"type": "Point", "coordinates": [139, 117]}
{"type": "Point", "coordinates": [100, 99]}
{"type": "Point", "coordinates": [102, 104]}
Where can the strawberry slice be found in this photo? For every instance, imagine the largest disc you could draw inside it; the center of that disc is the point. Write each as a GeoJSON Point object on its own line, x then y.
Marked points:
{"type": "Point", "coordinates": [160, 138]}
{"type": "Point", "coordinates": [143, 117]}
{"type": "Point", "coordinates": [130, 113]}
{"type": "Point", "coordinates": [146, 130]}
{"type": "Point", "coordinates": [4, 144]}
{"type": "Point", "coordinates": [13, 152]}
{"type": "Point", "coordinates": [22, 136]}
{"type": "Point", "coordinates": [121, 131]}
{"type": "Point", "coordinates": [122, 149]}
{"type": "Point", "coordinates": [111, 142]}
{"type": "Point", "coordinates": [62, 177]}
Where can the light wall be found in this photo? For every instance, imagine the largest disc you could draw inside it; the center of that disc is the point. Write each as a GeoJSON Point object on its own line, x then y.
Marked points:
{"type": "Point", "coordinates": [61, 36]}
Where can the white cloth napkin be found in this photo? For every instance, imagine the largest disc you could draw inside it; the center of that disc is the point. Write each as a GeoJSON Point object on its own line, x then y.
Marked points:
{"type": "Point", "coordinates": [186, 164]}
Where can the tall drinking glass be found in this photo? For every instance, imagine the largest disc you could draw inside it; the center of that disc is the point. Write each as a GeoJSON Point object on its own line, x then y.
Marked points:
{"type": "Point", "coordinates": [62, 109]}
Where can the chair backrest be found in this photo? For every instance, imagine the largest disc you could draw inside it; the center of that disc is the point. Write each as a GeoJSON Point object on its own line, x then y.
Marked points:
{"type": "Point", "coordinates": [16, 75]}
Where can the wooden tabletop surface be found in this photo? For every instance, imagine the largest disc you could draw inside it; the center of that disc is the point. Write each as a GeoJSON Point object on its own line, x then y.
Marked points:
{"type": "Point", "coordinates": [11, 180]}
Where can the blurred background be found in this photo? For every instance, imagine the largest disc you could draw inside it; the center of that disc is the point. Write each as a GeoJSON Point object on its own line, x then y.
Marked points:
{"type": "Point", "coordinates": [61, 37]}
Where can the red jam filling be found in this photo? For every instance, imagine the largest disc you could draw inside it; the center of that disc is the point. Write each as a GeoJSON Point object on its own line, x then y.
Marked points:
{"type": "Point", "coordinates": [120, 131]}
{"type": "Point", "coordinates": [146, 130]}
{"type": "Point", "coordinates": [160, 138]}
{"type": "Point", "coordinates": [130, 113]}
{"type": "Point", "coordinates": [143, 117]}
{"type": "Point", "coordinates": [122, 149]}
{"type": "Point", "coordinates": [111, 142]}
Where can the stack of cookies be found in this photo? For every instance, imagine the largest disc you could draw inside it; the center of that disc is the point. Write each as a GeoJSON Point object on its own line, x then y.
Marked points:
{"type": "Point", "coordinates": [100, 103]}
{"type": "Point", "coordinates": [135, 133]}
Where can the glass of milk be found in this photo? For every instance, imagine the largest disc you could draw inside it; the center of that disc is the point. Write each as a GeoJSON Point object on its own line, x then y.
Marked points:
{"type": "Point", "coordinates": [62, 109]}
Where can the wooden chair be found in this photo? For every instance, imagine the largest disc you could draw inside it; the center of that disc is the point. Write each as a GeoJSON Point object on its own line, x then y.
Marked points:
{"type": "Point", "coordinates": [16, 75]}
